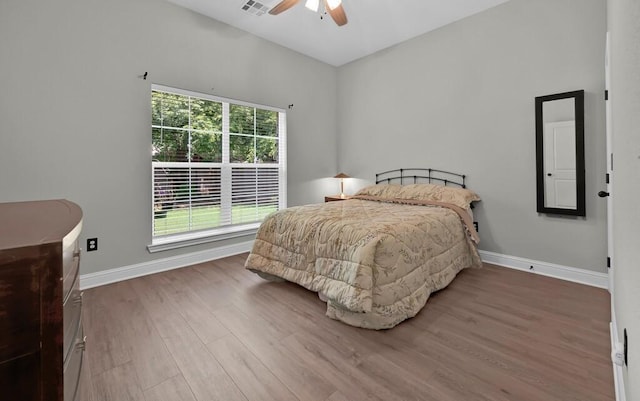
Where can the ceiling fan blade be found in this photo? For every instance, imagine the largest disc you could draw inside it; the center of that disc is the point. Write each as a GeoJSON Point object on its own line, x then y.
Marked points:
{"type": "Point", "coordinates": [284, 5]}
{"type": "Point", "coordinates": [337, 14]}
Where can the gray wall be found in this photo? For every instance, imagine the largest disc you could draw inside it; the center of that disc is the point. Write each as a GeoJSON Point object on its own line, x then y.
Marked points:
{"type": "Point", "coordinates": [624, 27]}
{"type": "Point", "coordinates": [75, 116]}
{"type": "Point", "coordinates": [462, 99]}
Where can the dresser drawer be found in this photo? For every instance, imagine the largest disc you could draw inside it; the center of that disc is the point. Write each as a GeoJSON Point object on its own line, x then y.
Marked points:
{"type": "Point", "coordinates": [73, 366]}
{"type": "Point", "coordinates": [70, 266]}
{"type": "Point", "coordinates": [72, 313]}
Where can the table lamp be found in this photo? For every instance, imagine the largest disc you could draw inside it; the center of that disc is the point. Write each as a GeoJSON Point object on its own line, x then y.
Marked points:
{"type": "Point", "coordinates": [342, 176]}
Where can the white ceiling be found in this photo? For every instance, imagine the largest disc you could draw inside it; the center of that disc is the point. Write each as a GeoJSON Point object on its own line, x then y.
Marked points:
{"type": "Point", "coordinates": [373, 24]}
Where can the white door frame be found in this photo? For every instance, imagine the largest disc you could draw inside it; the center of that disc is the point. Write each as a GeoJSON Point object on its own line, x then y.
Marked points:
{"type": "Point", "coordinates": [608, 131]}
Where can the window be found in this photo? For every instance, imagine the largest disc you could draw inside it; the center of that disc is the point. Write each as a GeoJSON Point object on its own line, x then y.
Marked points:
{"type": "Point", "coordinates": [218, 166]}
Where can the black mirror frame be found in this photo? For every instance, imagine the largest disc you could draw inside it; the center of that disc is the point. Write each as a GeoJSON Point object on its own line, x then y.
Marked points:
{"type": "Point", "coordinates": [578, 97]}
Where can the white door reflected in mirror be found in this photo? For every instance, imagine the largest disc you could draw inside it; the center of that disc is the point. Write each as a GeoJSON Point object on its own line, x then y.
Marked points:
{"type": "Point", "coordinates": [560, 164]}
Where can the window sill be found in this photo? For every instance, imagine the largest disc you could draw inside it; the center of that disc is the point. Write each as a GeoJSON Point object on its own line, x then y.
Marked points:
{"type": "Point", "coordinates": [189, 239]}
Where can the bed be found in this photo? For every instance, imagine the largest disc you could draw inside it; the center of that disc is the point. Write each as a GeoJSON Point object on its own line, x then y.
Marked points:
{"type": "Point", "coordinates": [376, 257]}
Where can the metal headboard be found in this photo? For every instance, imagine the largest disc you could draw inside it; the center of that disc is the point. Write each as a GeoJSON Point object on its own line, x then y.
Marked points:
{"type": "Point", "coordinates": [420, 175]}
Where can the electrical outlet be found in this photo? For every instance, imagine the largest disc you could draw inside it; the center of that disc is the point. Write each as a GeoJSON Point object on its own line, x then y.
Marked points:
{"type": "Point", "coordinates": [617, 354]}
{"type": "Point", "coordinates": [92, 244]}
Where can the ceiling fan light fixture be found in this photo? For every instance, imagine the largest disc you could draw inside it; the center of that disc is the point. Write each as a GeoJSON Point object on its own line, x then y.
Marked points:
{"type": "Point", "coordinates": [333, 4]}
{"type": "Point", "coordinates": [313, 5]}
{"type": "Point", "coordinates": [332, 7]}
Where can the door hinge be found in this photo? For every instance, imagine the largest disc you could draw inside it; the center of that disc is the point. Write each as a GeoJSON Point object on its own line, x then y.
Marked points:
{"type": "Point", "coordinates": [608, 261]}
{"type": "Point", "coordinates": [626, 348]}
{"type": "Point", "coordinates": [607, 178]}
{"type": "Point", "coordinates": [606, 95]}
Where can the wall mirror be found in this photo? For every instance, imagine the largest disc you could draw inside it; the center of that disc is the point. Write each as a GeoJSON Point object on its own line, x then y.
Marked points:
{"type": "Point", "coordinates": [560, 153]}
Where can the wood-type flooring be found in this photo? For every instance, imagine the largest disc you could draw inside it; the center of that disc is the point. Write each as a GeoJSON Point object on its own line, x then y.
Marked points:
{"type": "Point", "coordinates": [216, 331]}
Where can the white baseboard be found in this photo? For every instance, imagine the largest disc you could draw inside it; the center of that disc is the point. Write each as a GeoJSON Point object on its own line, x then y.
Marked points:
{"type": "Point", "coordinates": [91, 280]}
{"type": "Point", "coordinates": [594, 279]}
{"type": "Point", "coordinates": [618, 376]}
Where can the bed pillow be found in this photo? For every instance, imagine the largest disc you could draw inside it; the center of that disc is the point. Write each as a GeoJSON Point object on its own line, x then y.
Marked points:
{"type": "Point", "coordinates": [457, 196]}
{"type": "Point", "coordinates": [382, 190]}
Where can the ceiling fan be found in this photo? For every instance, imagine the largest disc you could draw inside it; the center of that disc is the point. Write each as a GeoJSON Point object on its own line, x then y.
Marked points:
{"type": "Point", "coordinates": [333, 7]}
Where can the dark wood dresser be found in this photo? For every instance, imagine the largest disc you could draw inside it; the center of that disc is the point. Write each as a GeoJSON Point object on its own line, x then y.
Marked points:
{"type": "Point", "coordinates": [41, 338]}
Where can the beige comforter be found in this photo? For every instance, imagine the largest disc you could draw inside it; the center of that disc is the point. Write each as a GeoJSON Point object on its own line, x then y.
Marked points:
{"type": "Point", "coordinates": [375, 262]}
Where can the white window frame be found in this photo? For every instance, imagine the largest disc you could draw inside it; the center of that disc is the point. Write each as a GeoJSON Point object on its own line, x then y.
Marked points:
{"type": "Point", "coordinates": [172, 241]}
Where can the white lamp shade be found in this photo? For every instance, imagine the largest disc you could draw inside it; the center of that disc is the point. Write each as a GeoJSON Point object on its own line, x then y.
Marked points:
{"type": "Point", "coordinates": [312, 5]}
{"type": "Point", "coordinates": [333, 3]}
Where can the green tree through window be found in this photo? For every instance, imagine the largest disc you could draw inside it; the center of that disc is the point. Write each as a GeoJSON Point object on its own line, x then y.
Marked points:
{"type": "Point", "coordinates": [215, 162]}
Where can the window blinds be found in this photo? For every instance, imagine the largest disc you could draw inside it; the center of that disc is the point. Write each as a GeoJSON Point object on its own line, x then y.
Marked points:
{"type": "Point", "coordinates": [218, 165]}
